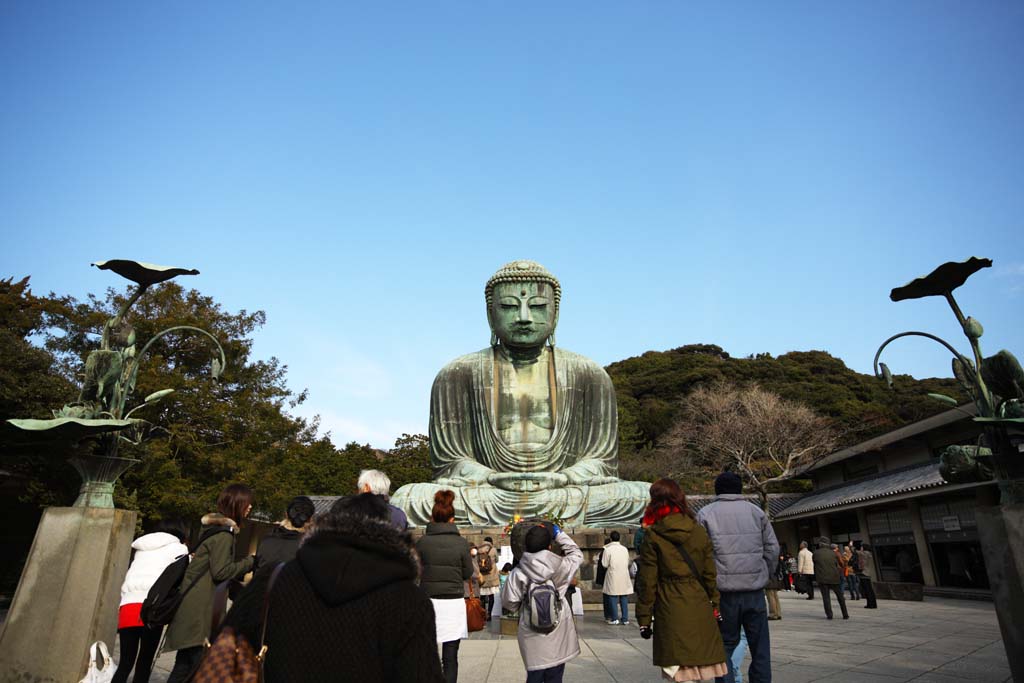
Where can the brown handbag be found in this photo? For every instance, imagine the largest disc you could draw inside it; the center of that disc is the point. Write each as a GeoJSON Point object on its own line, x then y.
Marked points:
{"type": "Point", "coordinates": [231, 658]}
{"type": "Point", "coordinates": [476, 615]}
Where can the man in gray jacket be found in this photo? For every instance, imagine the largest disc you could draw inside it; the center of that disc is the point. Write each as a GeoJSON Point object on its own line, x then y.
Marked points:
{"type": "Point", "coordinates": [746, 550]}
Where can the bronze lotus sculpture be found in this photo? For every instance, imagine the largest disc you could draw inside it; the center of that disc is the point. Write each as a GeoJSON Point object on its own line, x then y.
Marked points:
{"type": "Point", "coordinates": [100, 419]}
{"type": "Point", "coordinates": [995, 384]}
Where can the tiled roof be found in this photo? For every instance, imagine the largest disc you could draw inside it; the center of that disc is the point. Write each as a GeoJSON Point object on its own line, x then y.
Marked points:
{"type": "Point", "coordinates": [878, 486]}
{"type": "Point", "coordinates": [323, 503]}
{"type": "Point", "coordinates": [964, 412]}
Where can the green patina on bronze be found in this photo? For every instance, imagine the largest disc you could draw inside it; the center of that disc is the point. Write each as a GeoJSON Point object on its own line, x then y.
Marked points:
{"type": "Point", "coordinates": [996, 385]}
{"type": "Point", "coordinates": [525, 427]}
{"type": "Point", "coordinates": [100, 419]}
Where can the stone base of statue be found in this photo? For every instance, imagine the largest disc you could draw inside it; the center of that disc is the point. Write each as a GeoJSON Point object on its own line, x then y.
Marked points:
{"type": "Point", "coordinates": [68, 595]}
{"type": "Point", "coordinates": [509, 625]}
{"type": "Point", "coordinates": [1002, 541]}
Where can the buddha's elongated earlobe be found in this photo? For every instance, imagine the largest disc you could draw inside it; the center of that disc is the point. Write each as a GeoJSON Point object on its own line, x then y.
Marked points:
{"type": "Point", "coordinates": [494, 338]}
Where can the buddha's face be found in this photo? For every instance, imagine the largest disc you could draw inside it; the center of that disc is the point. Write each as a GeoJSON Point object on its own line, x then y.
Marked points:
{"type": "Point", "coordinates": [523, 313]}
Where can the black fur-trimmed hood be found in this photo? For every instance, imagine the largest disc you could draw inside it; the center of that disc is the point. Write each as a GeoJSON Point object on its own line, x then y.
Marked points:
{"type": "Point", "coordinates": [354, 556]}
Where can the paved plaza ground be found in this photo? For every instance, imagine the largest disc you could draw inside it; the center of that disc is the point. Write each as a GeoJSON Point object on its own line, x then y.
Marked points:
{"type": "Point", "coordinates": [936, 641]}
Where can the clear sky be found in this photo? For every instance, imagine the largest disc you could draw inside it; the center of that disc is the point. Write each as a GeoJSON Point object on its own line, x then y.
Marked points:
{"type": "Point", "coordinates": [753, 175]}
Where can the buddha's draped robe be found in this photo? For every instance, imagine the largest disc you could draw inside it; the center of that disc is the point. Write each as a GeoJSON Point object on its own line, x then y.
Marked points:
{"type": "Point", "coordinates": [465, 448]}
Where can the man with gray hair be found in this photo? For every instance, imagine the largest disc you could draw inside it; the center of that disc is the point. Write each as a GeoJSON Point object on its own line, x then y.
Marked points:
{"type": "Point", "coordinates": [378, 483]}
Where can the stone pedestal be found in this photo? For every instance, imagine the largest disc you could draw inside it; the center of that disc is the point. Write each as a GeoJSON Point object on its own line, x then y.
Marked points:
{"type": "Point", "coordinates": [68, 595]}
{"type": "Point", "coordinates": [509, 626]}
{"type": "Point", "coordinates": [1002, 541]}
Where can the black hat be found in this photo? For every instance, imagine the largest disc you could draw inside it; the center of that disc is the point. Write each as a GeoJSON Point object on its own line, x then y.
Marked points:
{"type": "Point", "coordinates": [728, 482]}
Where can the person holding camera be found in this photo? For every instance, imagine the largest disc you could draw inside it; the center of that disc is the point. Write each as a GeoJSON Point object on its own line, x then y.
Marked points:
{"type": "Point", "coordinates": [677, 597]}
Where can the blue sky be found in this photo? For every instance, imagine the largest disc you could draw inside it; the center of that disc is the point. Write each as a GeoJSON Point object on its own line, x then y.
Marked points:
{"type": "Point", "coordinates": [732, 173]}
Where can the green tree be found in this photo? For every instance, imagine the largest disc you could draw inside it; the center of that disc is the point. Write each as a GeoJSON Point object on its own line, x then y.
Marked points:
{"type": "Point", "coordinates": [409, 461]}
{"type": "Point", "coordinates": [30, 387]}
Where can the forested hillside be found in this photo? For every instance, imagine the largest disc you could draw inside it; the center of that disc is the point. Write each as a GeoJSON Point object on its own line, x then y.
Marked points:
{"type": "Point", "coordinates": [649, 388]}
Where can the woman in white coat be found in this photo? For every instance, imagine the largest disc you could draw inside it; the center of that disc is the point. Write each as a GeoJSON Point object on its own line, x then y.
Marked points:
{"type": "Point", "coordinates": [138, 643]}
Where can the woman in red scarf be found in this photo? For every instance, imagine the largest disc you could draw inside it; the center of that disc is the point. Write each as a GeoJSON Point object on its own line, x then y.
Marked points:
{"type": "Point", "coordinates": [687, 642]}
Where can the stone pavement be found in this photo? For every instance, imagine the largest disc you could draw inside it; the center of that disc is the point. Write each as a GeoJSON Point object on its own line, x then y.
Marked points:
{"type": "Point", "coordinates": [936, 641]}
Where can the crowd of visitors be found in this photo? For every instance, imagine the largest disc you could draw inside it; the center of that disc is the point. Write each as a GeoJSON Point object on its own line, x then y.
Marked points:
{"type": "Point", "coordinates": [706, 586]}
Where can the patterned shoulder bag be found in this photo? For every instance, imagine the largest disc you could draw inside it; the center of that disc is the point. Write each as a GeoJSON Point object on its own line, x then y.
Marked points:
{"type": "Point", "coordinates": [231, 659]}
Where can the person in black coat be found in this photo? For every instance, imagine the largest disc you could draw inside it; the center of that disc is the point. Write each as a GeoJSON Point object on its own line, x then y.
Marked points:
{"type": "Point", "coordinates": [348, 608]}
{"type": "Point", "coordinates": [447, 566]}
{"type": "Point", "coordinates": [281, 544]}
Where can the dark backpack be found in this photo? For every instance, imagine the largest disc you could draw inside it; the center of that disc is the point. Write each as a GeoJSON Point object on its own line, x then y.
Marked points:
{"type": "Point", "coordinates": [602, 571]}
{"type": "Point", "coordinates": [543, 607]}
{"type": "Point", "coordinates": [484, 562]}
{"type": "Point", "coordinates": [165, 595]}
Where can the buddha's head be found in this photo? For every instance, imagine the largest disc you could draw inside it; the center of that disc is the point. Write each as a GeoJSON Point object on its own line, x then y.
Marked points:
{"type": "Point", "coordinates": [522, 304]}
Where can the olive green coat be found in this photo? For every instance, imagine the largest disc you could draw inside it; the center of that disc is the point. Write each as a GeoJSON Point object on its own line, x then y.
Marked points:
{"type": "Point", "coordinates": [215, 560]}
{"type": "Point", "coordinates": [685, 630]}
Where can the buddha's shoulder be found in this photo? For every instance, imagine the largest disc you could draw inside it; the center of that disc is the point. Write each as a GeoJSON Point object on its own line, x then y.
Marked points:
{"type": "Point", "coordinates": [578, 361]}
{"type": "Point", "coordinates": [472, 361]}
{"type": "Point", "coordinates": [465, 362]}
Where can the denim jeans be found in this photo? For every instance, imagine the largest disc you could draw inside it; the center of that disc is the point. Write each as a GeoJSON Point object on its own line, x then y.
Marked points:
{"type": "Point", "coordinates": [737, 657]}
{"type": "Point", "coordinates": [552, 675]}
{"type": "Point", "coordinates": [746, 610]}
{"type": "Point", "coordinates": [853, 583]}
{"type": "Point", "coordinates": [618, 607]}
{"type": "Point", "coordinates": [606, 600]}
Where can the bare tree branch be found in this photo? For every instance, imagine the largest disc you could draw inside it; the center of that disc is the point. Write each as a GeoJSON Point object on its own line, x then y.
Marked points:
{"type": "Point", "coordinates": [762, 436]}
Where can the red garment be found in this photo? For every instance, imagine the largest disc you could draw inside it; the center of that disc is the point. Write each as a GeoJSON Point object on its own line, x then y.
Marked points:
{"type": "Point", "coordinates": [129, 615]}
{"type": "Point", "coordinates": [664, 511]}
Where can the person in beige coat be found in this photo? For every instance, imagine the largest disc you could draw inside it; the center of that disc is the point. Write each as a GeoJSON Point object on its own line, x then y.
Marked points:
{"type": "Point", "coordinates": [617, 583]}
{"type": "Point", "coordinates": [805, 569]}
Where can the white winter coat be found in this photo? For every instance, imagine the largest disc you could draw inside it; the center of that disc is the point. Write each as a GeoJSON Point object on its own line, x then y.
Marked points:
{"type": "Point", "coordinates": [615, 559]}
{"type": "Point", "coordinates": [153, 552]}
{"type": "Point", "coordinates": [545, 650]}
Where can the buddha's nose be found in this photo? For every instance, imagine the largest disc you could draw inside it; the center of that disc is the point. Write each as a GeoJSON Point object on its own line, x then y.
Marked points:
{"type": "Point", "coordinates": [524, 313]}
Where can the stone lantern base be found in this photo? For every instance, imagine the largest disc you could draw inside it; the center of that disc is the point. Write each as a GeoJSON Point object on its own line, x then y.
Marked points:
{"type": "Point", "coordinates": [68, 595]}
{"type": "Point", "coordinates": [1002, 542]}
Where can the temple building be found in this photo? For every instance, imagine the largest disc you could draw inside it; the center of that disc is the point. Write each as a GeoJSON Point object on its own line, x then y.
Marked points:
{"type": "Point", "coordinates": [887, 491]}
